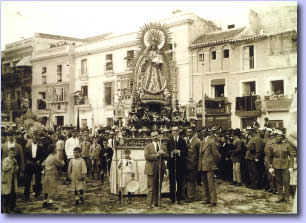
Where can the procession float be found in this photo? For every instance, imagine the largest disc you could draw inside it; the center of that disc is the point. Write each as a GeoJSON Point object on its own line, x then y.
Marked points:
{"type": "Point", "coordinates": [154, 104]}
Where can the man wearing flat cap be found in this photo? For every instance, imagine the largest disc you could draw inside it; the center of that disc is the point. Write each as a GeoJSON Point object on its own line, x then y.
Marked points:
{"type": "Point", "coordinates": [11, 143]}
{"type": "Point", "coordinates": [207, 165]}
{"type": "Point", "coordinates": [281, 165]}
{"type": "Point", "coordinates": [177, 151]}
{"type": "Point", "coordinates": [154, 153]}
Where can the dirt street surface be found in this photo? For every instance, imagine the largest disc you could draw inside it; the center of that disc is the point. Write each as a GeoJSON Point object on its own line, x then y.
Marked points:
{"type": "Point", "coordinates": [98, 200]}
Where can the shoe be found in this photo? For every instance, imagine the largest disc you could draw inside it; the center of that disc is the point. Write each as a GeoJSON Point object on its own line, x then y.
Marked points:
{"type": "Point", "coordinates": [206, 202]}
{"type": "Point", "coordinates": [172, 202]}
{"type": "Point", "coordinates": [238, 185]}
{"type": "Point", "coordinates": [180, 202]}
{"type": "Point", "coordinates": [45, 204]}
{"type": "Point", "coordinates": [76, 203]}
{"type": "Point", "coordinates": [213, 205]}
{"type": "Point", "coordinates": [269, 190]}
{"type": "Point", "coordinates": [233, 183]}
{"type": "Point", "coordinates": [189, 200]}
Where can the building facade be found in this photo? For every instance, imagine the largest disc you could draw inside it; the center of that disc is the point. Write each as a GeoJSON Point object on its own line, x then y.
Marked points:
{"type": "Point", "coordinates": [247, 74]}
{"type": "Point", "coordinates": [104, 69]}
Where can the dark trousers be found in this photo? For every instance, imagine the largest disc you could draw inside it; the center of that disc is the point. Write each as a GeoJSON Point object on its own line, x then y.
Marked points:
{"type": "Point", "coordinates": [30, 170]}
{"type": "Point", "coordinates": [210, 186]}
{"type": "Point", "coordinates": [88, 164]}
{"type": "Point", "coordinates": [191, 179]}
{"type": "Point", "coordinates": [282, 179]}
{"type": "Point", "coordinates": [260, 174]}
{"type": "Point", "coordinates": [252, 173]}
{"type": "Point", "coordinates": [176, 180]}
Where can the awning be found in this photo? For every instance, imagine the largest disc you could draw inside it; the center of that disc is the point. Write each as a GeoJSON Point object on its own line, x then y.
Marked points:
{"type": "Point", "coordinates": [217, 82]}
{"type": "Point", "coordinates": [25, 62]}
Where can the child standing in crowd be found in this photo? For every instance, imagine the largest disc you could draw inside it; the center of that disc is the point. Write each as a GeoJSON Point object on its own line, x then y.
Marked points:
{"type": "Point", "coordinates": [50, 166]}
{"type": "Point", "coordinates": [85, 149]}
{"type": "Point", "coordinates": [126, 172]}
{"type": "Point", "coordinates": [77, 172]}
{"type": "Point", "coordinates": [95, 156]}
{"type": "Point", "coordinates": [9, 182]}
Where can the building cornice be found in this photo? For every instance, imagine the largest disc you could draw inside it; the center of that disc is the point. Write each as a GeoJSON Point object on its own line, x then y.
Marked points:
{"type": "Point", "coordinates": [61, 84]}
{"type": "Point", "coordinates": [105, 49]}
{"type": "Point", "coordinates": [235, 41]}
{"type": "Point", "coordinates": [181, 23]}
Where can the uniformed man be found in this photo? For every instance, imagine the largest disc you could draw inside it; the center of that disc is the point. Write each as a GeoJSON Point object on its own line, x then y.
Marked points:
{"type": "Point", "coordinates": [250, 159]}
{"type": "Point", "coordinates": [281, 165]}
{"type": "Point", "coordinates": [259, 157]}
{"type": "Point", "coordinates": [270, 139]}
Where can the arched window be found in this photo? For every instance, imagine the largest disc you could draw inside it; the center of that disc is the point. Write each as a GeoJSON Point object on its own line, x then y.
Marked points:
{"type": "Point", "coordinates": [225, 58]}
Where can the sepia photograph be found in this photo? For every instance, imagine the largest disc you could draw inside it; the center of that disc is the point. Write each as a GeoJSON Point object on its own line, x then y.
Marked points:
{"type": "Point", "coordinates": [149, 108]}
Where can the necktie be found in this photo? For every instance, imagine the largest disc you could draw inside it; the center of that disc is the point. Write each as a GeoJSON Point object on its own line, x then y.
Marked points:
{"type": "Point", "coordinates": [157, 147]}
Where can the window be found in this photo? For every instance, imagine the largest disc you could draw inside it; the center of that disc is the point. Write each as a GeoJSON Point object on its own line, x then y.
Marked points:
{"type": "Point", "coordinates": [84, 67]}
{"type": "Point", "coordinates": [59, 94]}
{"type": "Point", "coordinates": [41, 103]}
{"type": "Point", "coordinates": [213, 55]}
{"type": "Point", "coordinates": [130, 58]}
{"type": "Point", "coordinates": [84, 90]}
{"type": "Point", "coordinates": [277, 87]}
{"type": "Point", "coordinates": [226, 53]}
{"type": "Point", "coordinates": [109, 62]}
{"type": "Point", "coordinates": [108, 93]}
{"type": "Point", "coordinates": [109, 122]}
{"type": "Point", "coordinates": [59, 73]}
{"type": "Point", "coordinates": [219, 91]}
{"type": "Point", "coordinates": [277, 123]}
{"type": "Point", "coordinates": [201, 56]}
{"type": "Point", "coordinates": [249, 88]}
{"type": "Point", "coordinates": [248, 57]}
{"type": "Point", "coordinates": [44, 75]}
{"type": "Point", "coordinates": [124, 86]}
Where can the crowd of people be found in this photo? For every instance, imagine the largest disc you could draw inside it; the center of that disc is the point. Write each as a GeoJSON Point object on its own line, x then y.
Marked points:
{"type": "Point", "coordinates": [257, 158]}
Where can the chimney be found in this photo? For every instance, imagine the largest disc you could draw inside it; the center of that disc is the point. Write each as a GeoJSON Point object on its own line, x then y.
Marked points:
{"type": "Point", "coordinates": [232, 26]}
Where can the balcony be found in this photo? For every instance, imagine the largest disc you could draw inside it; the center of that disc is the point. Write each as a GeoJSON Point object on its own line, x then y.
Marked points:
{"type": "Point", "coordinates": [277, 103]}
{"type": "Point", "coordinates": [248, 106]}
{"type": "Point", "coordinates": [215, 106]}
{"type": "Point", "coordinates": [83, 104]}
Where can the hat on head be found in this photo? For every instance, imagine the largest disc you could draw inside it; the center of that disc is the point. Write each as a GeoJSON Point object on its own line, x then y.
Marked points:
{"type": "Point", "coordinates": [174, 128]}
{"type": "Point", "coordinates": [261, 129]}
{"type": "Point", "coordinates": [189, 130]}
{"type": "Point", "coordinates": [12, 149]}
{"type": "Point", "coordinates": [77, 149]}
{"type": "Point", "coordinates": [133, 129]}
{"type": "Point", "coordinates": [249, 128]}
{"type": "Point", "coordinates": [154, 133]}
{"type": "Point", "coordinates": [11, 132]}
{"type": "Point", "coordinates": [126, 151]}
{"type": "Point", "coordinates": [165, 130]}
{"type": "Point", "coordinates": [268, 129]}
{"type": "Point", "coordinates": [278, 132]}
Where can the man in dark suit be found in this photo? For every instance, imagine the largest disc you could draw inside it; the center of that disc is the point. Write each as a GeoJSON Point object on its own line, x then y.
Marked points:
{"type": "Point", "coordinates": [192, 158]}
{"type": "Point", "coordinates": [177, 151]}
{"type": "Point", "coordinates": [34, 155]}
{"type": "Point", "coordinates": [208, 159]}
{"type": "Point", "coordinates": [154, 153]}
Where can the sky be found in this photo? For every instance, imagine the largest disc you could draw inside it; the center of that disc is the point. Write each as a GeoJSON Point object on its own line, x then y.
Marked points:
{"type": "Point", "coordinates": [21, 19]}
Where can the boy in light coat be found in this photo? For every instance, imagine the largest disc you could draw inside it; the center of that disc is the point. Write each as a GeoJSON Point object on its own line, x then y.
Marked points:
{"type": "Point", "coordinates": [77, 172]}
{"type": "Point", "coordinates": [9, 182]}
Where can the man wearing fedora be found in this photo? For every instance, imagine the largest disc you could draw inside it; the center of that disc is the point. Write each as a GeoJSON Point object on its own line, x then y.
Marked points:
{"type": "Point", "coordinates": [281, 159]}
{"type": "Point", "coordinates": [207, 165]}
{"type": "Point", "coordinates": [177, 151]}
{"type": "Point", "coordinates": [192, 158]}
{"type": "Point", "coordinates": [154, 153]}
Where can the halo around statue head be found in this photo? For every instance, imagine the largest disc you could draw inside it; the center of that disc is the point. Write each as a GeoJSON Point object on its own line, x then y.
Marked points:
{"type": "Point", "coordinates": [154, 34]}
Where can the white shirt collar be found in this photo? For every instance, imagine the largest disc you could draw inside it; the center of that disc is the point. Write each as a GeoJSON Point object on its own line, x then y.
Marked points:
{"type": "Point", "coordinates": [10, 145]}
